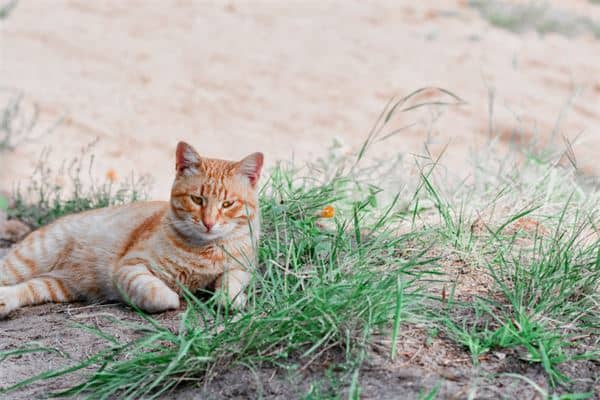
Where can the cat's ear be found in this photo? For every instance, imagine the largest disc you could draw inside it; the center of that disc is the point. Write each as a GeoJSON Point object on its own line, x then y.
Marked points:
{"type": "Point", "coordinates": [251, 166]}
{"type": "Point", "coordinates": [187, 159]}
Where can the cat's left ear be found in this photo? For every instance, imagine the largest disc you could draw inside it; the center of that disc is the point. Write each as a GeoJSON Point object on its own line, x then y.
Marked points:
{"type": "Point", "coordinates": [251, 166]}
{"type": "Point", "coordinates": [187, 159]}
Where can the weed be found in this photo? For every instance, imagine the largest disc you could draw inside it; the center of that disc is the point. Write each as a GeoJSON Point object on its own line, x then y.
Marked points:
{"type": "Point", "coordinates": [19, 121]}
{"type": "Point", "coordinates": [52, 193]}
{"type": "Point", "coordinates": [544, 292]}
{"type": "Point", "coordinates": [376, 268]}
{"type": "Point", "coordinates": [7, 8]}
{"type": "Point", "coordinates": [535, 15]}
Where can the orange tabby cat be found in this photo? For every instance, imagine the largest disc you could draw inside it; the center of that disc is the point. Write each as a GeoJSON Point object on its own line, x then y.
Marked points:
{"type": "Point", "coordinates": [204, 236]}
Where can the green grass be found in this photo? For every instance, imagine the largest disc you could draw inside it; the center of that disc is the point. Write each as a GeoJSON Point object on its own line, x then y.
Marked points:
{"type": "Point", "coordinates": [538, 16]}
{"type": "Point", "coordinates": [7, 8]}
{"type": "Point", "coordinates": [377, 267]}
{"type": "Point", "coordinates": [317, 290]}
{"type": "Point", "coordinates": [54, 192]}
{"type": "Point", "coordinates": [544, 296]}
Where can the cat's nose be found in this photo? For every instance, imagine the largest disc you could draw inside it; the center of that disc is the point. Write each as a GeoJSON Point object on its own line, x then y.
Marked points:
{"type": "Point", "coordinates": [208, 224]}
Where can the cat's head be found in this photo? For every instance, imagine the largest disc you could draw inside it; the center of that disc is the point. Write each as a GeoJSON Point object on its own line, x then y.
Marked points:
{"type": "Point", "coordinates": [211, 198]}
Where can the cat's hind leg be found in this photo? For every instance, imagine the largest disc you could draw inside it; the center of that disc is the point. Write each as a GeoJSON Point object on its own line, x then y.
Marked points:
{"type": "Point", "coordinates": [38, 290]}
{"type": "Point", "coordinates": [144, 289]}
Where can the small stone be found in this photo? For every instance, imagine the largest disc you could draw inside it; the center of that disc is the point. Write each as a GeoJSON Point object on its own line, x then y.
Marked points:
{"type": "Point", "coordinates": [12, 230]}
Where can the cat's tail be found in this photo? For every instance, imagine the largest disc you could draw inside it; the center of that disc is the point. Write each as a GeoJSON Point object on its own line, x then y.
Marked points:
{"type": "Point", "coordinates": [33, 256]}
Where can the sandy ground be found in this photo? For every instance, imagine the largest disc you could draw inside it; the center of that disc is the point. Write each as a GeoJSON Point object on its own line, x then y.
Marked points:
{"type": "Point", "coordinates": [232, 78]}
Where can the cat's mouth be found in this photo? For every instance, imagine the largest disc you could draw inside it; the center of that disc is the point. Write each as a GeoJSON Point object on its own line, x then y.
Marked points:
{"type": "Point", "coordinates": [211, 235]}
{"type": "Point", "coordinates": [215, 232]}
{"type": "Point", "coordinates": [197, 232]}
{"type": "Point", "coordinates": [198, 237]}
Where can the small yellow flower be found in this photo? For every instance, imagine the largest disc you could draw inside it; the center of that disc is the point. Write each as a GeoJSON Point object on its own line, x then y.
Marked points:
{"type": "Point", "coordinates": [327, 212]}
{"type": "Point", "coordinates": [59, 181]}
{"type": "Point", "coordinates": [111, 175]}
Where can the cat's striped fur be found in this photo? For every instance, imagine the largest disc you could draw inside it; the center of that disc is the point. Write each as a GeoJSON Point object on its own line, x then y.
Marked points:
{"type": "Point", "coordinates": [205, 236]}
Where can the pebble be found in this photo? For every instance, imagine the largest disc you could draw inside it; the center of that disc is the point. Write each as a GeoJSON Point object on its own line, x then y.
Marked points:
{"type": "Point", "coordinates": [12, 230]}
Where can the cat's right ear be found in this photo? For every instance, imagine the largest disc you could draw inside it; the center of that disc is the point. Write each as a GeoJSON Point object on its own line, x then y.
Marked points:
{"type": "Point", "coordinates": [187, 160]}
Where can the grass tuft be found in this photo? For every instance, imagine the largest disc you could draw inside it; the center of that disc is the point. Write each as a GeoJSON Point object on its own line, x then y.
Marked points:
{"type": "Point", "coordinates": [506, 263]}
{"type": "Point", "coordinates": [535, 15]}
{"type": "Point", "coordinates": [52, 193]}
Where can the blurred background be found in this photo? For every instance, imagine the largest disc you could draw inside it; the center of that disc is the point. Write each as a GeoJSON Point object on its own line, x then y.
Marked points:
{"type": "Point", "coordinates": [131, 78]}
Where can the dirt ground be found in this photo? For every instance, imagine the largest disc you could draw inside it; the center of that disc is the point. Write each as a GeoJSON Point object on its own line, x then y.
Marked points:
{"type": "Point", "coordinates": [423, 362]}
{"type": "Point", "coordinates": [237, 77]}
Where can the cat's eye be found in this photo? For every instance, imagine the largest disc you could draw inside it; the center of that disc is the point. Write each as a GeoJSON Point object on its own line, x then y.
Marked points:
{"type": "Point", "coordinates": [197, 199]}
{"type": "Point", "coordinates": [227, 204]}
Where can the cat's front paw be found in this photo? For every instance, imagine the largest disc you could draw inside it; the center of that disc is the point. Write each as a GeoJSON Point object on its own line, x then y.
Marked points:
{"type": "Point", "coordinates": [8, 301]}
{"type": "Point", "coordinates": [158, 300]}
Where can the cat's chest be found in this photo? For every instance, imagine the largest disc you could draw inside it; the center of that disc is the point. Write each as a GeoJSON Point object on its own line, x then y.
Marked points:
{"type": "Point", "coordinates": [193, 269]}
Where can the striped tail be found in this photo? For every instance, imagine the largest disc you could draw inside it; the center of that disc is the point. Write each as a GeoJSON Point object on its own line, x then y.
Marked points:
{"type": "Point", "coordinates": [25, 277]}
{"type": "Point", "coordinates": [37, 254]}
